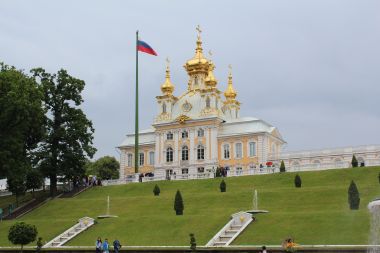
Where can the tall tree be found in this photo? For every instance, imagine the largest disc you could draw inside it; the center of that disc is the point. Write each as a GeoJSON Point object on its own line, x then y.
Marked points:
{"type": "Point", "coordinates": [69, 134]}
{"type": "Point", "coordinates": [178, 203]}
{"type": "Point", "coordinates": [106, 167]}
{"type": "Point", "coordinates": [21, 121]}
{"type": "Point", "coordinates": [282, 166]}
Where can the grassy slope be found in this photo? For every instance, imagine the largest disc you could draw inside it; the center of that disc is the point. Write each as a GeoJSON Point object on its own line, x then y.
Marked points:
{"type": "Point", "coordinates": [315, 214]}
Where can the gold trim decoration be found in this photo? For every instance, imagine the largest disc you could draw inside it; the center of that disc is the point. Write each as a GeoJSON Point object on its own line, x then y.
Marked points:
{"type": "Point", "coordinates": [182, 119]}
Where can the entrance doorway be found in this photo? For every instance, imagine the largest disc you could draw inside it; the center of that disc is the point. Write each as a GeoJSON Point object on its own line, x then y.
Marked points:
{"type": "Point", "coordinates": [168, 174]}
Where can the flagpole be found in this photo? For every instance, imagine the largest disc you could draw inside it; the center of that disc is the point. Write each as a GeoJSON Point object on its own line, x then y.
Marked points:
{"type": "Point", "coordinates": [137, 109]}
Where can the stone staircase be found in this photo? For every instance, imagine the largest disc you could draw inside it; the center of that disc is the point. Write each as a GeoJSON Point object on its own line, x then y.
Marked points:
{"type": "Point", "coordinates": [83, 224]}
{"type": "Point", "coordinates": [239, 221]}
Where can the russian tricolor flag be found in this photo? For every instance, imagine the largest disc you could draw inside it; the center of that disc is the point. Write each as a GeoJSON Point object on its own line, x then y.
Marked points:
{"type": "Point", "coordinates": [144, 47]}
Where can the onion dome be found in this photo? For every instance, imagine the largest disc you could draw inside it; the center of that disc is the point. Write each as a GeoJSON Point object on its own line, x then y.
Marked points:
{"type": "Point", "coordinates": [199, 63]}
{"type": "Point", "coordinates": [230, 92]}
{"type": "Point", "coordinates": [167, 87]}
{"type": "Point", "coordinates": [210, 79]}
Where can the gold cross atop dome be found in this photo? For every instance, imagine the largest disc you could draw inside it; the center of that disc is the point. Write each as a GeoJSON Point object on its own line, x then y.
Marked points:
{"type": "Point", "coordinates": [198, 63]}
{"type": "Point", "coordinates": [230, 92]}
{"type": "Point", "coordinates": [167, 87]}
{"type": "Point", "coordinates": [199, 31]}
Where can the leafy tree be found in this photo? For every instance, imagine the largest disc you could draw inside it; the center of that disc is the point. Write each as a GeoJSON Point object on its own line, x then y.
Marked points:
{"type": "Point", "coordinates": [21, 233]}
{"type": "Point", "coordinates": [282, 166]}
{"type": "Point", "coordinates": [17, 185]}
{"type": "Point", "coordinates": [353, 196]}
{"type": "Point", "coordinates": [21, 120]}
{"type": "Point", "coordinates": [222, 186]}
{"type": "Point", "coordinates": [297, 181]}
{"type": "Point", "coordinates": [354, 162]}
{"type": "Point", "coordinates": [178, 203]}
{"type": "Point", "coordinates": [193, 243]}
{"type": "Point", "coordinates": [69, 134]}
{"type": "Point", "coordinates": [34, 180]}
{"type": "Point", "coordinates": [156, 190]}
{"type": "Point", "coordinates": [106, 167]}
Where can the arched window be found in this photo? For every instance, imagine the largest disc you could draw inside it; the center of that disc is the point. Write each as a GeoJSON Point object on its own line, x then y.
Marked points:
{"type": "Point", "coordinates": [200, 152]}
{"type": "Point", "coordinates": [208, 102]}
{"type": "Point", "coordinates": [238, 150]}
{"type": "Point", "coordinates": [185, 153]}
{"type": "Point", "coordinates": [273, 148]}
{"type": "Point", "coordinates": [185, 134]}
{"type": "Point", "coordinates": [196, 82]}
{"type": "Point", "coordinates": [169, 154]}
{"type": "Point", "coordinates": [169, 136]}
{"type": "Point", "coordinates": [252, 149]}
{"type": "Point", "coordinates": [226, 151]}
{"type": "Point", "coordinates": [201, 132]}
{"type": "Point", "coordinates": [130, 159]}
{"type": "Point", "coordinates": [164, 107]}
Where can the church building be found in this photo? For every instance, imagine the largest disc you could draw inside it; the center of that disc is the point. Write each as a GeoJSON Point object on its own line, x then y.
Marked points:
{"type": "Point", "coordinates": [201, 129]}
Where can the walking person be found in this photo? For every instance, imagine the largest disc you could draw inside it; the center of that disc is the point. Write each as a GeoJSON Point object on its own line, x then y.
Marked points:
{"type": "Point", "coordinates": [116, 246]}
{"type": "Point", "coordinates": [105, 246]}
{"type": "Point", "coordinates": [98, 245]}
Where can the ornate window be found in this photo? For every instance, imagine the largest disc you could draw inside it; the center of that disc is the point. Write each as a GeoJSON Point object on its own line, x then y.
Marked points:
{"type": "Point", "coordinates": [141, 159]}
{"type": "Point", "coordinates": [169, 154]}
{"type": "Point", "coordinates": [151, 158]}
{"type": "Point", "coordinates": [201, 170]}
{"type": "Point", "coordinates": [130, 159]}
{"type": "Point", "coordinates": [185, 171]}
{"type": "Point", "coordinates": [196, 82]}
{"type": "Point", "coordinates": [208, 102]}
{"type": "Point", "coordinates": [164, 107]}
{"type": "Point", "coordinates": [185, 134]}
{"type": "Point", "coordinates": [238, 150]}
{"type": "Point", "coordinates": [226, 151]}
{"type": "Point", "coordinates": [185, 153]}
{"type": "Point", "coordinates": [200, 152]}
{"type": "Point", "coordinates": [169, 136]}
{"type": "Point", "coordinates": [252, 149]}
{"type": "Point", "coordinates": [201, 132]}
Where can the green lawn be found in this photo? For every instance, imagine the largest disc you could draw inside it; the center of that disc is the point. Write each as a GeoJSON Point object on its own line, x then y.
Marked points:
{"type": "Point", "coordinates": [317, 213]}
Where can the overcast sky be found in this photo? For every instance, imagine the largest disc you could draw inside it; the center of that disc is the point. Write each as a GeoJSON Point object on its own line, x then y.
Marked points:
{"type": "Point", "coordinates": [310, 68]}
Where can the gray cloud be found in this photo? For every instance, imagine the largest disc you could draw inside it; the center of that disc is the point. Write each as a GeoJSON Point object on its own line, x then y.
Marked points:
{"type": "Point", "coordinates": [308, 67]}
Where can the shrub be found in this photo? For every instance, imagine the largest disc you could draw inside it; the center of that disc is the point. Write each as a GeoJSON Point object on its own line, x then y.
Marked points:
{"type": "Point", "coordinates": [22, 234]}
{"type": "Point", "coordinates": [353, 196]}
{"type": "Point", "coordinates": [354, 162]}
{"type": "Point", "coordinates": [178, 203]}
{"type": "Point", "coordinates": [156, 190]}
{"type": "Point", "coordinates": [379, 177]}
{"type": "Point", "coordinates": [282, 166]}
{"type": "Point", "coordinates": [193, 243]}
{"type": "Point", "coordinates": [39, 244]}
{"type": "Point", "coordinates": [297, 181]}
{"type": "Point", "coordinates": [222, 186]}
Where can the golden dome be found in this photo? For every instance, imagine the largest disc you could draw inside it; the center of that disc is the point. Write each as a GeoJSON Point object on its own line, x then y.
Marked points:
{"type": "Point", "coordinates": [199, 62]}
{"type": "Point", "coordinates": [210, 79]}
{"type": "Point", "coordinates": [230, 92]}
{"type": "Point", "coordinates": [167, 87]}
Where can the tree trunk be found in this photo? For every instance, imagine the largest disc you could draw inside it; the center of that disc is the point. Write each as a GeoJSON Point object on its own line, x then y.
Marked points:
{"type": "Point", "coordinates": [22, 247]}
{"type": "Point", "coordinates": [53, 185]}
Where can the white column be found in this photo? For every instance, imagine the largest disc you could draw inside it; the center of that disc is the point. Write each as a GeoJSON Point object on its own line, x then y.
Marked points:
{"type": "Point", "coordinates": [162, 140]}
{"type": "Point", "coordinates": [191, 149]}
{"type": "Point", "coordinates": [157, 150]}
{"type": "Point", "coordinates": [214, 144]}
{"type": "Point", "coordinates": [176, 146]}
{"type": "Point", "coordinates": [207, 146]}
{"type": "Point", "coordinates": [122, 164]}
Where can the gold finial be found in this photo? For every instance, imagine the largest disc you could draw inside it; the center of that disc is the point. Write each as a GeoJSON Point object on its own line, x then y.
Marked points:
{"type": "Point", "coordinates": [210, 79]}
{"type": "Point", "coordinates": [230, 92]}
{"type": "Point", "coordinates": [167, 87]}
{"type": "Point", "coordinates": [199, 31]}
